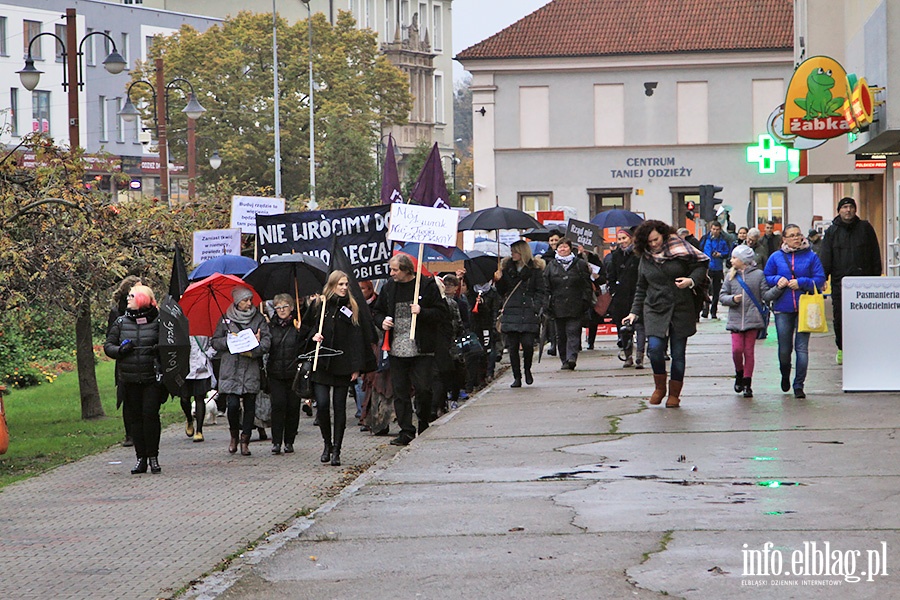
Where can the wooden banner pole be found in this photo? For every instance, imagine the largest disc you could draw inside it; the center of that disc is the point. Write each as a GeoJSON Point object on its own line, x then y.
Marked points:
{"type": "Point", "coordinates": [412, 329]}
{"type": "Point", "coordinates": [321, 325]}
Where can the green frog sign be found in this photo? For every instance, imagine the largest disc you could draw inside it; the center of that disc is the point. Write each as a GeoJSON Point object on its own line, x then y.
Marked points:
{"type": "Point", "coordinates": [817, 99]}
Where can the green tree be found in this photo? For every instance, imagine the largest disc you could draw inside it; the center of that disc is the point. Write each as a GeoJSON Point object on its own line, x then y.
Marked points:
{"type": "Point", "coordinates": [230, 67]}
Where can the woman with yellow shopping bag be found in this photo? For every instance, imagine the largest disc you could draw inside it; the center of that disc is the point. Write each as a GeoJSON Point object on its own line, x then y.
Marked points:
{"type": "Point", "coordinates": [792, 272]}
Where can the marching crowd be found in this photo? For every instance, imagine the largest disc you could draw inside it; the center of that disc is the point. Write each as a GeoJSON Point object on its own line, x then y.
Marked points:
{"type": "Point", "coordinates": [403, 348]}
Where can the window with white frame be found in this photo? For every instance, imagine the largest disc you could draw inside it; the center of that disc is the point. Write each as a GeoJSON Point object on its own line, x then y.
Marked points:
{"type": "Point", "coordinates": [404, 13]}
{"type": "Point", "coordinates": [390, 20]}
{"type": "Point", "coordinates": [3, 48]}
{"type": "Point", "coordinates": [370, 13]}
{"type": "Point", "coordinates": [123, 50]}
{"type": "Point", "coordinates": [534, 117]}
{"type": "Point", "coordinates": [89, 47]}
{"type": "Point", "coordinates": [439, 98]}
{"type": "Point", "coordinates": [60, 31]}
{"type": "Point", "coordinates": [532, 202]}
{"type": "Point", "coordinates": [437, 27]}
{"type": "Point", "coordinates": [107, 46]}
{"type": "Point", "coordinates": [40, 111]}
{"type": "Point", "coordinates": [14, 111]}
{"type": "Point", "coordinates": [423, 20]}
{"type": "Point", "coordinates": [769, 206]}
{"type": "Point", "coordinates": [609, 114]}
{"type": "Point", "coordinates": [104, 125]}
{"type": "Point", "coordinates": [692, 112]}
{"type": "Point", "coordinates": [31, 29]}
{"type": "Point", "coordinates": [120, 122]}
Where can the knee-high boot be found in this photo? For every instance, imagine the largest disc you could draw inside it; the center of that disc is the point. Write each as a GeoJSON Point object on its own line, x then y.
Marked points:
{"type": "Point", "coordinates": [660, 392]}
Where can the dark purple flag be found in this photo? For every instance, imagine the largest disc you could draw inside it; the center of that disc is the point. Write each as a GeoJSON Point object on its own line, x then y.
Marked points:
{"type": "Point", "coordinates": [390, 179]}
{"type": "Point", "coordinates": [430, 189]}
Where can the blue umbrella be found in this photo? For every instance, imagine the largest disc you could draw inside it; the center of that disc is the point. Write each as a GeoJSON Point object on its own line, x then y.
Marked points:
{"type": "Point", "coordinates": [617, 218]}
{"type": "Point", "coordinates": [434, 253]}
{"type": "Point", "coordinates": [228, 264]}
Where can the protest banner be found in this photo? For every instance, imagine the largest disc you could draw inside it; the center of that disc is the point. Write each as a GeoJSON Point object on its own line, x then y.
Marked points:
{"type": "Point", "coordinates": [245, 208]}
{"type": "Point", "coordinates": [361, 232]}
{"type": "Point", "coordinates": [210, 243]}
{"type": "Point", "coordinates": [584, 234]}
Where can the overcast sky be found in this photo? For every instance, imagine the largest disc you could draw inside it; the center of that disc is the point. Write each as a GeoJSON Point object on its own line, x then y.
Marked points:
{"type": "Point", "coordinates": [477, 20]}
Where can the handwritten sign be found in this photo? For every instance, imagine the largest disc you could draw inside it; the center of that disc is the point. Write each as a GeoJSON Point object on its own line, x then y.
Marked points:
{"type": "Point", "coordinates": [245, 208]}
{"type": "Point", "coordinates": [211, 243]}
{"type": "Point", "coordinates": [422, 224]}
{"type": "Point", "coordinates": [584, 234]}
{"type": "Point", "coordinates": [244, 341]}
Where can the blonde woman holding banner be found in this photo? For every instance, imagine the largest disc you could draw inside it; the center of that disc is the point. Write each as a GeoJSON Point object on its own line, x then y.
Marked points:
{"type": "Point", "coordinates": [340, 350]}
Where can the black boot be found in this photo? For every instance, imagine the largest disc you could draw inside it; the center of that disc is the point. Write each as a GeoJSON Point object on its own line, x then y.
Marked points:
{"type": "Point", "coordinates": [336, 456]}
{"type": "Point", "coordinates": [748, 391]}
{"type": "Point", "coordinates": [140, 466]}
{"type": "Point", "coordinates": [326, 453]}
{"type": "Point", "coordinates": [785, 378]}
{"type": "Point", "coordinates": [738, 382]}
{"type": "Point", "coordinates": [154, 465]}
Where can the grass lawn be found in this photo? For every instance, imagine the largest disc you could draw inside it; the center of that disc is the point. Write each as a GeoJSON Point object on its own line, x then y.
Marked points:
{"type": "Point", "coordinates": [46, 429]}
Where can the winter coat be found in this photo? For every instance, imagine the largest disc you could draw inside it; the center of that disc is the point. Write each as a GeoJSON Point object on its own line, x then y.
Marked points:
{"type": "Point", "coordinates": [488, 309]}
{"type": "Point", "coordinates": [287, 344]}
{"type": "Point", "coordinates": [340, 333]}
{"type": "Point", "coordinates": [720, 245]}
{"type": "Point", "coordinates": [802, 265]}
{"type": "Point", "coordinates": [521, 313]}
{"type": "Point", "coordinates": [667, 309]}
{"type": "Point", "coordinates": [569, 291]}
{"type": "Point", "coordinates": [744, 315]}
{"type": "Point", "coordinates": [434, 317]}
{"type": "Point", "coordinates": [142, 328]}
{"type": "Point", "coordinates": [622, 277]}
{"type": "Point", "coordinates": [850, 249]}
{"type": "Point", "coordinates": [239, 374]}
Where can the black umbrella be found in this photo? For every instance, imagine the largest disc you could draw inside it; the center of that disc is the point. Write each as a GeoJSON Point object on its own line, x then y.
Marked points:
{"type": "Point", "coordinates": [178, 281]}
{"type": "Point", "coordinates": [537, 234]}
{"type": "Point", "coordinates": [174, 345]}
{"type": "Point", "coordinates": [480, 267]}
{"type": "Point", "coordinates": [498, 217]}
{"type": "Point", "coordinates": [294, 274]}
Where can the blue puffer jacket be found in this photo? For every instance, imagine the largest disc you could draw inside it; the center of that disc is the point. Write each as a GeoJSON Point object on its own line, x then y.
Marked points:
{"type": "Point", "coordinates": [802, 265]}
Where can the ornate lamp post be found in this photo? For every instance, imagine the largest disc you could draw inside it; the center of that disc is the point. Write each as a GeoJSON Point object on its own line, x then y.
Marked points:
{"type": "Point", "coordinates": [312, 123]}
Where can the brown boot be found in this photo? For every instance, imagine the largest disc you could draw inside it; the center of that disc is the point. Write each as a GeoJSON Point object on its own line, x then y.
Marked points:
{"type": "Point", "coordinates": [673, 401]}
{"type": "Point", "coordinates": [660, 392]}
{"type": "Point", "coordinates": [232, 445]}
{"type": "Point", "coordinates": [245, 445]}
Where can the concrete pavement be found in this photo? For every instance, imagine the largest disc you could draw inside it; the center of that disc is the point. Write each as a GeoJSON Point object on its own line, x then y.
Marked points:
{"type": "Point", "coordinates": [576, 488]}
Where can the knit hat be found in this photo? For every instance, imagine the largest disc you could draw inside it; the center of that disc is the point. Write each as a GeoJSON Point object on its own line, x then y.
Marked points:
{"type": "Point", "coordinates": [627, 232]}
{"type": "Point", "coordinates": [240, 293]}
{"type": "Point", "coordinates": [846, 200]}
{"type": "Point", "coordinates": [745, 254]}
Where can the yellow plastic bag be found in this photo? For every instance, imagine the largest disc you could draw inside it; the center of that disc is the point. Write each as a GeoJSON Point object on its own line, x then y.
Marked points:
{"type": "Point", "coordinates": [812, 313]}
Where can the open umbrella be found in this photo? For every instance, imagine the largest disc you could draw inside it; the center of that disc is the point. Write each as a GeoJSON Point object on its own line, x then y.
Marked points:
{"type": "Point", "coordinates": [617, 218]}
{"type": "Point", "coordinates": [178, 281]}
{"type": "Point", "coordinates": [204, 302]}
{"type": "Point", "coordinates": [480, 267]}
{"type": "Point", "coordinates": [294, 274]}
{"type": "Point", "coordinates": [492, 247]}
{"type": "Point", "coordinates": [228, 264]}
{"type": "Point", "coordinates": [537, 234]}
{"type": "Point", "coordinates": [433, 253]}
{"type": "Point", "coordinates": [174, 344]}
{"type": "Point", "coordinates": [498, 217]}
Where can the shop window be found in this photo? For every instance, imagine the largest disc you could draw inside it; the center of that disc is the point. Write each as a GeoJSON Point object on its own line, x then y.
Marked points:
{"type": "Point", "coordinates": [532, 202]}
{"type": "Point", "coordinates": [769, 205]}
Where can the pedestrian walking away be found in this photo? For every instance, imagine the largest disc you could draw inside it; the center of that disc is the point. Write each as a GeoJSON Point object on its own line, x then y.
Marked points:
{"type": "Point", "coordinates": [671, 285]}
{"type": "Point", "coordinates": [743, 292]}
{"type": "Point", "coordinates": [133, 341]}
{"type": "Point", "coordinates": [197, 384]}
{"type": "Point", "coordinates": [239, 374]}
{"type": "Point", "coordinates": [567, 279]}
{"type": "Point", "coordinates": [849, 249]}
{"type": "Point", "coordinates": [289, 337]}
{"type": "Point", "coordinates": [520, 281]}
{"type": "Point", "coordinates": [792, 271]}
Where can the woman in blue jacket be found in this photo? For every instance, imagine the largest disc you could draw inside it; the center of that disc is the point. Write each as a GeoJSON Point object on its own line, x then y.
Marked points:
{"type": "Point", "coordinates": [790, 272]}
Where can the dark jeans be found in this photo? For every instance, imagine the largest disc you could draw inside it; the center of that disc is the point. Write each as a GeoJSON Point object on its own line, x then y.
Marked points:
{"type": "Point", "coordinates": [656, 350]}
{"type": "Point", "coordinates": [836, 295]}
{"type": "Point", "coordinates": [285, 411]}
{"type": "Point", "coordinates": [339, 400]}
{"type": "Point", "coordinates": [568, 339]}
{"type": "Point", "coordinates": [592, 328]}
{"type": "Point", "coordinates": [790, 340]}
{"type": "Point", "coordinates": [140, 409]}
{"type": "Point", "coordinates": [514, 340]}
{"type": "Point", "coordinates": [716, 279]}
{"type": "Point", "coordinates": [406, 373]}
{"type": "Point", "coordinates": [235, 419]}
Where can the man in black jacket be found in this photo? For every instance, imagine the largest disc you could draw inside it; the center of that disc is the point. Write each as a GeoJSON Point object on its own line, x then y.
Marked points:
{"type": "Point", "coordinates": [850, 249]}
{"type": "Point", "coordinates": [411, 359]}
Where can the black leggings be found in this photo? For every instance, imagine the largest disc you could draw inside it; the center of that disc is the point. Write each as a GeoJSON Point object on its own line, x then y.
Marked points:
{"type": "Point", "coordinates": [285, 411]}
{"type": "Point", "coordinates": [515, 339]}
{"type": "Point", "coordinates": [141, 410]}
{"type": "Point", "coordinates": [199, 410]}
{"type": "Point", "coordinates": [339, 398]}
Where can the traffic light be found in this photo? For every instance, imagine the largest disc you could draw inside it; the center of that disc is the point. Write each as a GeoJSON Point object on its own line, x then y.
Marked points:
{"type": "Point", "coordinates": [708, 202]}
{"type": "Point", "coordinates": [691, 209]}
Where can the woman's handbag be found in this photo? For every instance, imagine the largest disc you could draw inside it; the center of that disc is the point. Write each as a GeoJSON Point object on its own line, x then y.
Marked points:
{"type": "Point", "coordinates": [763, 310]}
{"type": "Point", "coordinates": [497, 325]}
{"type": "Point", "coordinates": [812, 313]}
{"type": "Point", "coordinates": [4, 430]}
{"type": "Point", "coordinates": [601, 306]}
{"type": "Point", "coordinates": [303, 379]}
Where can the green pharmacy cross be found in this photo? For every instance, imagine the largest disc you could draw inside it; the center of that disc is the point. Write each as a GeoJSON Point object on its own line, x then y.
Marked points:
{"type": "Point", "coordinates": [768, 153]}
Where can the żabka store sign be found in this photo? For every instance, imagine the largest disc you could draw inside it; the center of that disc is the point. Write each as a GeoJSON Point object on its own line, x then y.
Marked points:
{"type": "Point", "coordinates": [816, 97]}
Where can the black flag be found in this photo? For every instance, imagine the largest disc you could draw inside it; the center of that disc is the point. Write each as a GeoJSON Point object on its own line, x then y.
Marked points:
{"type": "Point", "coordinates": [340, 262]}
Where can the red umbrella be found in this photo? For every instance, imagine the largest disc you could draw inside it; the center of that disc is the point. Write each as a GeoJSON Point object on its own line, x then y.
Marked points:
{"type": "Point", "coordinates": [205, 302]}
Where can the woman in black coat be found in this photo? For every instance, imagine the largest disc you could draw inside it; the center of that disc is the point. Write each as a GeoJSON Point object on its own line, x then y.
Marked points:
{"type": "Point", "coordinates": [568, 282]}
{"type": "Point", "coordinates": [289, 338]}
{"type": "Point", "coordinates": [334, 375]}
{"type": "Point", "coordinates": [622, 277]}
{"type": "Point", "coordinates": [670, 269]}
{"type": "Point", "coordinates": [520, 282]}
{"type": "Point", "coordinates": [133, 341]}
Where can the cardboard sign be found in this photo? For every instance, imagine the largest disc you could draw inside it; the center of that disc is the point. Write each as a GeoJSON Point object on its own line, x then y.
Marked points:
{"type": "Point", "coordinates": [584, 234]}
{"type": "Point", "coordinates": [422, 224]}
{"type": "Point", "coordinates": [245, 208]}
{"type": "Point", "coordinates": [210, 243]}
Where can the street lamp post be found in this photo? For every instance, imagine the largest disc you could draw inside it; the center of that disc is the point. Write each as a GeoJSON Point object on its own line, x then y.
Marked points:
{"type": "Point", "coordinates": [312, 123]}
{"type": "Point", "coordinates": [275, 95]}
{"type": "Point", "coordinates": [73, 69]}
{"type": "Point", "coordinates": [193, 111]}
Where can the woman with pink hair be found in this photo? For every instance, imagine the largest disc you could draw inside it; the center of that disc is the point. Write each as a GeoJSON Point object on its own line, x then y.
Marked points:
{"type": "Point", "coordinates": [132, 340]}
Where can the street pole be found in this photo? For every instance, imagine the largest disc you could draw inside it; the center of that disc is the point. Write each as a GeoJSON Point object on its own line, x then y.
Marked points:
{"type": "Point", "coordinates": [192, 159]}
{"type": "Point", "coordinates": [162, 134]}
{"type": "Point", "coordinates": [72, 67]}
{"type": "Point", "coordinates": [312, 122]}
{"type": "Point", "coordinates": [275, 93]}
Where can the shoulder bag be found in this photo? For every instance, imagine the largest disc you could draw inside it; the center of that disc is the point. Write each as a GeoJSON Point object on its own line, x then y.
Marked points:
{"type": "Point", "coordinates": [763, 311]}
{"type": "Point", "coordinates": [497, 325]}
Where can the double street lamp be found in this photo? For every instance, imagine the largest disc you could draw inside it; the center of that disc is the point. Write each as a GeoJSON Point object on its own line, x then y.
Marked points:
{"type": "Point", "coordinates": [193, 111]}
{"type": "Point", "coordinates": [73, 71]}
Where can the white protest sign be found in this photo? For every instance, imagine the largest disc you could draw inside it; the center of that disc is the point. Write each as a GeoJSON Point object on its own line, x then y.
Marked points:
{"type": "Point", "coordinates": [422, 224]}
{"type": "Point", "coordinates": [509, 236]}
{"type": "Point", "coordinates": [871, 318]}
{"type": "Point", "coordinates": [211, 243]}
{"type": "Point", "coordinates": [245, 208]}
{"type": "Point", "coordinates": [243, 341]}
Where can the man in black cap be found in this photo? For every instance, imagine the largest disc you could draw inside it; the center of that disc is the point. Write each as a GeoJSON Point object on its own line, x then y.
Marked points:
{"type": "Point", "coordinates": [850, 249]}
{"type": "Point", "coordinates": [815, 239]}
